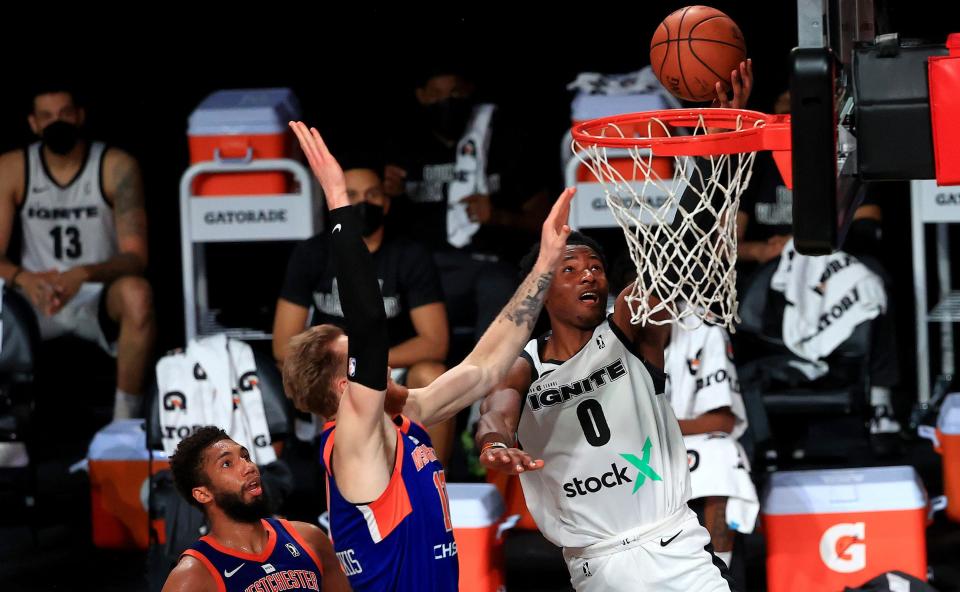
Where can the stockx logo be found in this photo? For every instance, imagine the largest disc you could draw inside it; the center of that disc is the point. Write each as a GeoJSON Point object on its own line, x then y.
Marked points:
{"type": "Point", "coordinates": [616, 476]}
{"type": "Point", "coordinates": [642, 464]}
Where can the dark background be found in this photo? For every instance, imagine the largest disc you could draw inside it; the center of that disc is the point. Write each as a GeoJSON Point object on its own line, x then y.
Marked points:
{"type": "Point", "coordinates": [143, 70]}
{"type": "Point", "coordinates": [144, 67]}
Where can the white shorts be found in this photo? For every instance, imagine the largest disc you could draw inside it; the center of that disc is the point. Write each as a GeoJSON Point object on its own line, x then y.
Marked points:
{"type": "Point", "coordinates": [673, 556]}
{"type": "Point", "coordinates": [81, 317]}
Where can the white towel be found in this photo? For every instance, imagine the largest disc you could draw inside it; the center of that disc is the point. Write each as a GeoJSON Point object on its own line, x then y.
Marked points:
{"type": "Point", "coordinates": [719, 467]}
{"type": "Point", "coordinates": [630, 83]}
{"type": "Point", "coordinates": [214, 382]}
{"type": "Point", "coordinates": [827, 297]}
{"type": "Point", "coordinates": [470, 175]}
{"type": "Point", "coordinates": [701, 374]}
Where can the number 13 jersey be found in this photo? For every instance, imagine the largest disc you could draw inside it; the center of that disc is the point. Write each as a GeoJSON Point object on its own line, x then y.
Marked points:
{"type": "Point", "coordinates": [614, 458]}
{"type": "Point", "coordinates": [66, 225]}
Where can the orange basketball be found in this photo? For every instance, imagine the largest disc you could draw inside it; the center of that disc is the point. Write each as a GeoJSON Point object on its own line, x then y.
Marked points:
{"type": "Point", "coordinates": [693, 49]}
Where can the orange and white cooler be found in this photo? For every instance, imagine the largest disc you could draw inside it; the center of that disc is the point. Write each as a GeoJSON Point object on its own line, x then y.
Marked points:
{"type": "Point", "coordinates": [477, 512]}
{"type": "Point", "coordinates": [946, 441]}
{"type": "Point", "coordinates": [828, 529]}
{"type": "Point", "coordinates": [243, 125]}
{"type": "Point", "coordinates": [118, 464]}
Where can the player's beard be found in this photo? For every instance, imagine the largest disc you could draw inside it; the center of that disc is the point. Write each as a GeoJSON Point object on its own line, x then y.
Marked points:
{"type": "Point", "coordinates": [233, 506]}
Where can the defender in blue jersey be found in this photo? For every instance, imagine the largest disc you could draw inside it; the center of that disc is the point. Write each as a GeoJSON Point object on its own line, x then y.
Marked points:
{"type": "Point", "coordinates": [244, 551]}
{"type": "Point", "coordinates": [389, 514]}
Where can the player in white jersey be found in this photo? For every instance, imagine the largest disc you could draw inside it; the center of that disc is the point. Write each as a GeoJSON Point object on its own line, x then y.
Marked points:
{"type": "Point", "coordinates": [583, 420]}
{"type": "Point", "coordinates": [80, 209]}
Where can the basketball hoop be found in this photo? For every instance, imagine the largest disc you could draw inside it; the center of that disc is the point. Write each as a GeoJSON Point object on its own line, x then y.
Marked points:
{"type": "Point", "coordinates": [681, 229]}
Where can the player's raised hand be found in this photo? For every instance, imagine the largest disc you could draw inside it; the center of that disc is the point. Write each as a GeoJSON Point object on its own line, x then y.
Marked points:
{"type": "Point", "coordinates": [553, 237]}
{"type": "Point", "coordinates": [324, 166]}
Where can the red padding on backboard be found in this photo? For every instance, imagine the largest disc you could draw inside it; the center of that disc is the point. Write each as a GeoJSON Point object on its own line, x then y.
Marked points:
{"type": "Point", "coordinates": [945, 112]}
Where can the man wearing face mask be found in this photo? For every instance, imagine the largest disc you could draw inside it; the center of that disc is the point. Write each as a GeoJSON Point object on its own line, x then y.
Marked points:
{"type": "Point", "coordinates": [83, 247]}
{"type": "Point", "coordinates": [466, 189]}
{"type": "Point", "coordinates": [412, 298]}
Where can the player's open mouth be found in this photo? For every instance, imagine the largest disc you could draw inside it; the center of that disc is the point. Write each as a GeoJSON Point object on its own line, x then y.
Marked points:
{"type": "Point", "coordinates": [253, 487]}
{"type": "Point", "coordinates": [591, 297]}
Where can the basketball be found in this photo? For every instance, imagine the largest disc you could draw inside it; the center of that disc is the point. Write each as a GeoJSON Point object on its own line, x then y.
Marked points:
{"type": "Point", "coordinates": [694, 48]}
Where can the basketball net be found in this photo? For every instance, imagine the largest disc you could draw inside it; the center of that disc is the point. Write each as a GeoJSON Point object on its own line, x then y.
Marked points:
{"type": "Point", "coordinates": [680, 226]}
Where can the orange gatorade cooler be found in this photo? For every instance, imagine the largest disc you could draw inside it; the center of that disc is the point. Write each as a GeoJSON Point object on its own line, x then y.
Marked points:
{"type": "Point", "coordinates": [476, 510]}
{"type": "Point", "coordinates": [946, 441]}
{"type": "Point", "coordinates": [829, 529]}
{"type": "Point", "coordinates": [119, 467]}
{"type": "Point", "coordinates": [242, 125]}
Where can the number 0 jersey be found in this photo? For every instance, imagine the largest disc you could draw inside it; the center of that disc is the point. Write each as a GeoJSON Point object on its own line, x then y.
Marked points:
{"type": "Point", "coordinates": [614, 458]}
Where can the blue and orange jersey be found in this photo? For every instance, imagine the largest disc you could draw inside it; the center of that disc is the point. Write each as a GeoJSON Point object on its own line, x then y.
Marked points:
{"type": "Point", "coordinates": [287, 562]}
{"type": "Point", "coordinates": [403, 540]}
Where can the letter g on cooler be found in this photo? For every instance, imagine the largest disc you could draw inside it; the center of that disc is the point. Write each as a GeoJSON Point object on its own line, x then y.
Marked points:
{"type": "Point", "coordinates": [843, 547]}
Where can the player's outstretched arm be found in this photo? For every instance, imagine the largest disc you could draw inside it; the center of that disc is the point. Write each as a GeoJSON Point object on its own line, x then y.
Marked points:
{"type": "Point", "coordinates": [497, 350]}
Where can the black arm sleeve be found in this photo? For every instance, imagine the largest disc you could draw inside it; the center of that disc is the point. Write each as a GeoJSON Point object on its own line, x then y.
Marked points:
{"type": "Point", "coordinates": [361, 301]}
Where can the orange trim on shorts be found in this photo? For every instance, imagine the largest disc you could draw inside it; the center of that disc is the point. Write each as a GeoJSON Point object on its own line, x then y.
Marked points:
{"type": "Point", "coordinates": [261, 558]}
{"type": "Point", "coordinates": [393, 505]}
{"type": "Point", "coordinates": [221, 586]}
{"type": "Point", "coordinates": [295, 534]}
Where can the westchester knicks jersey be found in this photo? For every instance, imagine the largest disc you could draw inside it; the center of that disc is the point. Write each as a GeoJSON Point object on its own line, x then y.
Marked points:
{"type": "Point", "coordinates": [614, 458]}
{"type": "Point", "coordinates": [66, 226]}
{"type": "Point", "coordinates": [286, 563]}
{"type": "Point", "coordinates": [403, 540]}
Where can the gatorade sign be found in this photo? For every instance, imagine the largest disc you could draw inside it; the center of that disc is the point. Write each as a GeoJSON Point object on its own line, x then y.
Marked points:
{"type": "Point", "coordinates": [250, 218]}
{"type": "Point", "coordinates": [843, 548]}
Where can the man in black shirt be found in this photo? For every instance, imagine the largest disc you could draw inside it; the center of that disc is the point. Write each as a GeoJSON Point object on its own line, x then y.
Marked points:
{"type": "Point", "coordinates": [465, 188]}
{"type": "Point", "coordinates": [409, 282]}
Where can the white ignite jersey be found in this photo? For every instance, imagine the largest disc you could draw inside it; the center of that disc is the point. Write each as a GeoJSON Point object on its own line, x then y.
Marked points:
{"type": "Point", "coordinates": [614, 458]}
{"type": "Point", "coordinates": [66, 226]}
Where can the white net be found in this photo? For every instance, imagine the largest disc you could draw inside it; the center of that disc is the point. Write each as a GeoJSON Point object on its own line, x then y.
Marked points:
{"type": "Point", "coordinates": [679, 222]}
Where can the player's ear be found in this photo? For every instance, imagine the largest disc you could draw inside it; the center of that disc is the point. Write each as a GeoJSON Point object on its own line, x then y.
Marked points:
{"type": "Point", "coordinates": [202, 494]}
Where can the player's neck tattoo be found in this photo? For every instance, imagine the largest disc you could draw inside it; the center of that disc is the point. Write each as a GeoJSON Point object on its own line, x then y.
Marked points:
{"type": "Point", "coordinates": [524, 307]}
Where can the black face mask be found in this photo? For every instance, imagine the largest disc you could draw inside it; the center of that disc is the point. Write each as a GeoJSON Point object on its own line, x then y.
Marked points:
{"type": "Point", "coordinates": [371, 217]}
{"type": "Point", "coordinates": [60, 137]}
{"type": "Point", "coordinates": [449, 117]}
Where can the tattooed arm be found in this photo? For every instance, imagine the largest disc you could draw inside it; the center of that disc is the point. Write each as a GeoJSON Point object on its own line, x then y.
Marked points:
{"type": "Point", "coordinates": [124, 190]}
{"type": "Point", "coordinates": [497, 350]}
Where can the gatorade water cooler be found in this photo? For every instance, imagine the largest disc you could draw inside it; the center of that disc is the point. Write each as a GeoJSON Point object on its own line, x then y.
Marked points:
{"type": "Point", "coordinates": [477, 512]}
{"type": "Point", "coordinates": [119, 466]}
{"type": "Point", "coordinates": [828, 529]}
{"type": "Point", "coordinates": [243, 125]}
{"type": "Point", "coordinates": [946, 441]}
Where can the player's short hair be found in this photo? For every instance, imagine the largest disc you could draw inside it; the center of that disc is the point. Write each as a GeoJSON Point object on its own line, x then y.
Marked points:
{"type": "Point", "coordinates": [186, 464]}
{"type": "Point", "coordinates": [310, 368]}
{"type": "Point", "coordinates": [49, 88]}
{"type": "Point", "coordinates": [575, 238]}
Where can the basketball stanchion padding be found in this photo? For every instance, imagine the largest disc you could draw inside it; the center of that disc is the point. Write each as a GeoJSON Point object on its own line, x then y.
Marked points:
{"type": "Point", "coordinates": [945, 112]}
